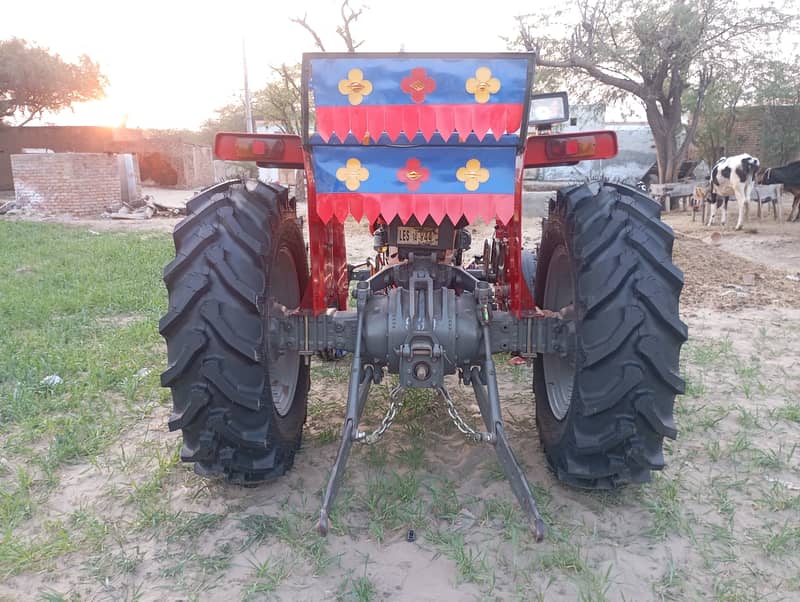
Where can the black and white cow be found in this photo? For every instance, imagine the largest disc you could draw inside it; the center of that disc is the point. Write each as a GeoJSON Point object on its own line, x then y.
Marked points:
{"type": "Point", "coordinates": [789, 176]}
{"type": "Point", "coordinates": [732, 176]}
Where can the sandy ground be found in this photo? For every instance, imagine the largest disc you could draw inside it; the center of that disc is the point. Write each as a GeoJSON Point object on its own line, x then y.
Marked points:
{"type": "Point", "coordinates": [702, 530]}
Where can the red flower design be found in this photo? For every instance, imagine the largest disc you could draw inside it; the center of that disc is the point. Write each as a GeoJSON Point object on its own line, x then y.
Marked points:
{"type": "Point", "coordinates": [413, 174]}
{"type": "Point", "coordinates": [418, 84]}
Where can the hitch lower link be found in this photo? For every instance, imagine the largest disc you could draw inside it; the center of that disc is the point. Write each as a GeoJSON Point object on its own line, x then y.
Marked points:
{"type": "Point", "coordinates": [484, 384]}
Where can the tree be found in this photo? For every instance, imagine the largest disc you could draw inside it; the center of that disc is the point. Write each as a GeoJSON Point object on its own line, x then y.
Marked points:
{"type": "Point", "coordinates": [349, 15]}
{"type": "Point", "coordinates": [766, 93]}
{"type": "Point", "coordinates": [654, 51]}
{"type": "Point", "coordinates": [33, 81]}
{"type": "Point", "coordinates": [229, 118]}
{"type": "Point", "coordinates": [778, 94]}
{"type": "Point", "coordinates": [720, 109]}
{"type": "Point", "coordinates": [278, 103]}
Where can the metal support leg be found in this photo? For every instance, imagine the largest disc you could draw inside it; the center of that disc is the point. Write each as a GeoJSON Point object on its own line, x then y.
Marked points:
{"type": "Point", "coordinates": [348, 436]}
{"type": "Point", "coordinates": [490, 410]}
{"type": "Point", "coordinates": [356, 397]}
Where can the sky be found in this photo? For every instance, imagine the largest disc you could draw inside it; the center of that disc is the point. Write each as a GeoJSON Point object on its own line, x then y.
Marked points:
{"type": "Point", "coordinates": [171, 63]}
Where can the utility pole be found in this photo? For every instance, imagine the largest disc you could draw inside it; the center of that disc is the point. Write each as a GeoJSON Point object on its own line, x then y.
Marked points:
{"type": "Point", "coordinates": [248, 112]}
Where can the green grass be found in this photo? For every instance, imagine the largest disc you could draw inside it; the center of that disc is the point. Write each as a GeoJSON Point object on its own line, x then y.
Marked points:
{"type": "Point", "coordinates": [294, 529]}
{"type": "Point", "coordinates": [392, 502]}
{"type": "Point", "coordinates": [83, 307]}
{"type": "Point", "coordinates": [778, 497]}
{"type": "Point", "coordinates": [663, 501]}
{"type": "Point", "coordinates": [57, 318]}
{"type": "Point", "coordinates": [779, 540]}
{"type": "Point", "coordinates": [789, 412]}
{"type": "Point", "coordinates": [472, 565]}
{"type": "Point", "coordinates": [148, 496]}
{"type": "Point", "coordinates": [267, 576]}
{"type": "Point", "coordinates": [671, 584]}
{"type": "Point", "coordinates": [707, 352]}
{"type": "Point", "coordinates": [194, 524]}
{"type": "Point", "coordinates": [360, 589]}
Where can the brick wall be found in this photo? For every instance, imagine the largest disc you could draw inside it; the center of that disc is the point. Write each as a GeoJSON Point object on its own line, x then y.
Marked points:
{"type": "Point", "coordinates": [191, 163]}
{"type": "Point", "coordinates": [80, 184]}
{"type": "Point", "coordinates": [746, 136]}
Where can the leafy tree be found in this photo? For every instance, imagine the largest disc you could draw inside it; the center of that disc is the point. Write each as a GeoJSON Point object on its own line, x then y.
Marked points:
{"type": "Point", "coordinates": [766, 92]}
{"type": "Point", "coordinates": [721, 107]}
{"type": "Point", "coordinates": [33, 81]}
{"type": "Point", "coordinates": [778, 94]}
{"type": "Point", "coordinates": [229, 118]}
{"type": "Point", "coordinates": [654, 51]}
{"type": "Point", "coordinates": [278, 103]}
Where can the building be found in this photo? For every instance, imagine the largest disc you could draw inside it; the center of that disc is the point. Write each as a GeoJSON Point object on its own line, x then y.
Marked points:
{"type": "Point", "coordinates": [637, 151]}
{"type": "Point", "coordinates": [164, 158]}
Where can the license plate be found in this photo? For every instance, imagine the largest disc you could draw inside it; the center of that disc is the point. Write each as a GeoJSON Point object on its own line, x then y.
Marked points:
{"type": "Point", "coordinates": [428, 237]}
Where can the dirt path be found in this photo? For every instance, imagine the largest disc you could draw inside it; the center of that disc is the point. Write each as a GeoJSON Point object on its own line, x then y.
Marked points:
{"type": "Point", "coordinates": [770, 243]}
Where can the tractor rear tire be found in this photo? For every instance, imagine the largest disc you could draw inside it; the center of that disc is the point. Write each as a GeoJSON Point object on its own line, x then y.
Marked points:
{"type": "Point", "coordinates": [603, 411]}
{"type": "Point", "coordinates": [240, 408]}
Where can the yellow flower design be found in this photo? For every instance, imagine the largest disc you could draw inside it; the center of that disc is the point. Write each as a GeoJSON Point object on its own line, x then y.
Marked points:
{"type": "Point", "coordinates": [355, 86]}
{"type": "Point", "coordinates": [483, 85]}
{"type": "Point", "coordinates": [352, 174]}
{"type": "Point", "coordinates": [472, 174]}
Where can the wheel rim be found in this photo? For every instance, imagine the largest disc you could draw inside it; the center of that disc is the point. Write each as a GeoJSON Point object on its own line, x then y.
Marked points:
{"type": "Point", "coordinates": [284, 369]}
{"type": "Point", "coordinates": [559, 372]}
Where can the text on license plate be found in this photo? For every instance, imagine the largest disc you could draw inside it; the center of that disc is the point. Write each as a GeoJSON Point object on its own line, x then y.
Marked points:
{"type": "Point", "coordinates": [417, 236]}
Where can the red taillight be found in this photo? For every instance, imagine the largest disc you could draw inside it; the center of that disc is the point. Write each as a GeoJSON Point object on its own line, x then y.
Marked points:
{"type": "Point", "coordinates": [268, 150]}
{"type": "Point", "coordinates": [565, 149]}
{"type": "Point", "coordinates": [259, 148]}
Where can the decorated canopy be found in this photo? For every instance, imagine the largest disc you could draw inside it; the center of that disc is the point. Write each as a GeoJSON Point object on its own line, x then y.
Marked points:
{"type": "Point", "coordinates": [422, 135]}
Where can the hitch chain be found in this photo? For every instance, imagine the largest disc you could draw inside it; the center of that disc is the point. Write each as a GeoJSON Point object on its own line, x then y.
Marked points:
{"type": "Point", "coordinates": [396, 397]}
{"type": "Point", "coordinates": [470, 433]}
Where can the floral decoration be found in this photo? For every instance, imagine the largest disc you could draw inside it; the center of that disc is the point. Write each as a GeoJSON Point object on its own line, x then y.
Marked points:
{"type": "Point", "coordinates": [352, 174]}
{"type": "Point", "coordinates": [483, 85]}
{"type": "Point", "coordinates": [355, 87]}
{"type": "Point", "coordinates": [413, 174]}
{"type": "Point", "coordinates": [472, 174]}
{"type": "Point", "coordinates": [418, 84]}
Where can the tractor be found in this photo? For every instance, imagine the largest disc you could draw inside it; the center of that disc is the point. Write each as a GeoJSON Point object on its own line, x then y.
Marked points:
{"type": "Point", "coordinates": [421, 146]}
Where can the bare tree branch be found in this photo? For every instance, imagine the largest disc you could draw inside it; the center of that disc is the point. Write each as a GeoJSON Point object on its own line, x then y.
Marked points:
{"type": "Point", "coordinates": [304, 24]}
{"type": "Point", "coordinates": [344, 29]}
{"type": "Point", "coordinates": [596, 72]}
{"type": "Point", "coordinates": [706, 78]}
{"type": "Point", "coordinates": [349, 16]}
{"type": "Point", "coordinates": [30, 118]}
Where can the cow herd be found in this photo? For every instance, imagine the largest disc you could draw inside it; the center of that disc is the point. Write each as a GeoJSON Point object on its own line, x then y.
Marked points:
{"type": "Point", "coordinates": [736, 177]}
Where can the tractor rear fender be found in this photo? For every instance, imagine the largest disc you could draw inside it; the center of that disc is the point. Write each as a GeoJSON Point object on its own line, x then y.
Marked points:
{"type": "Point", "coordinates": [326, 240]}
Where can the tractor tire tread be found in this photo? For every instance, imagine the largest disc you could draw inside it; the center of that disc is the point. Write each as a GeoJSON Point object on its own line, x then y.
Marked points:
{"type": "Point", "coordinates": [218, 284]}
{"type": "Point", "coordinates": [629, 336]}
